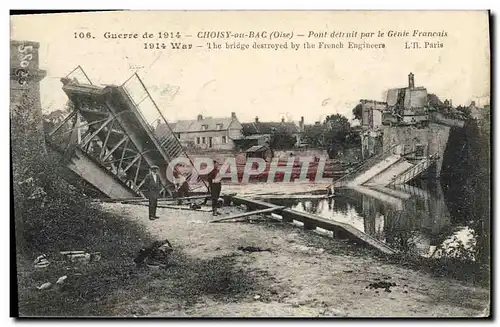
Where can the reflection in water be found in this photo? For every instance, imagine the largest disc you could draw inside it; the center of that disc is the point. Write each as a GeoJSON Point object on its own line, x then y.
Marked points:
{"type": "Point", "coordinates": [419, 222]}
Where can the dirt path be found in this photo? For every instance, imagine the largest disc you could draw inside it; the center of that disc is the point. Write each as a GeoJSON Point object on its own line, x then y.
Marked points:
{"type": "Point", "coordinates": [305, 274]}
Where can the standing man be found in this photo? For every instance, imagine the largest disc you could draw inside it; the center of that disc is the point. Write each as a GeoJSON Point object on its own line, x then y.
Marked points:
{"type": "Point", "coordinates": [153, 188]}
{"type": "Point", "coordinates": [214, 182]}
{"type": "Point", "coordinates": [181, 186]}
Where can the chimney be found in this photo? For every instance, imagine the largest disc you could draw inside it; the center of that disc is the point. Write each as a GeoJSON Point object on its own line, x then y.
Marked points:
{"type": "Point", "coordinates": [301, 124]}
{"type": "Point", "coordinates": [256, 119]}
{"type": "Point", "coordinates": [233, 115]}
{"type": "Point", "coordinates": [282, 120]}
{"type": "Point", "coordinates": [411, 80]}
{"type": "Point", "coordinates": [200, 117]}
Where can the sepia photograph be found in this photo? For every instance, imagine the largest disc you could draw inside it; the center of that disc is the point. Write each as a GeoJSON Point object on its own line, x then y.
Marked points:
{"type": "Point", "coordinates": [251, 164]}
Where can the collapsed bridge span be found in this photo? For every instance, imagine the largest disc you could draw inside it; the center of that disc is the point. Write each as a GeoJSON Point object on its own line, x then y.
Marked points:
{"type": "Point", "coordinates": [109, 133]}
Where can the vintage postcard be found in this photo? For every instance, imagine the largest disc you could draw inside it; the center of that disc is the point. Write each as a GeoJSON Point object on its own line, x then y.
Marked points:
{"type": "Point", "coordinates": [251, 163]}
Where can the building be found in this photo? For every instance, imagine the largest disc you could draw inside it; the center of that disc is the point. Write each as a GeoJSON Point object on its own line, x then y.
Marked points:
{"type": "Point", "coordinates": [408, 105]}
{"type": "Point", "coordinates": [475, 112]}
{"type": "Point", "coordinates": [262, 131]}
{"type": "Point", "coordinates": [205, 132]}
{"type": "Point", "coordinates": [372, 113]}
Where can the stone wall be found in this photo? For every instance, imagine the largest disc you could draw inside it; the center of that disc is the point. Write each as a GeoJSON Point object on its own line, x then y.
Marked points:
{"type": "Point", "coordinates": [433, 138]}
{"type": "Point", "coordinates": [25, 105]}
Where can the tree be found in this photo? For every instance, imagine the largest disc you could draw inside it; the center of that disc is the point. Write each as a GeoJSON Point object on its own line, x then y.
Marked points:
{"type": "Point", "coordinates": [337, 128]}
{"type": "Point", "coordinates": [282, 139]}
{"type": "Point", "coordinates": [313, 135]}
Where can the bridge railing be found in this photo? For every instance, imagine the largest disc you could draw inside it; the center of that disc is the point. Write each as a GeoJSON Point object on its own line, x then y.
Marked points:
{"type": "Point", "coordinates": [79, 75]}
{"type": "Point", "coordinates": [342, 181]}
{"type": "Point", "coordinates": [415, 171]}
{"type": "Point", "coordinates": [150, 113]}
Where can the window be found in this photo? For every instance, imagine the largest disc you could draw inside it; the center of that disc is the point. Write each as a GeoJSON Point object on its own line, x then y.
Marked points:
{"type": "Point", "coordinates": [203, 140]}
{"type": "Point", "coordinates": [204, 127]}
{"type": "Point", "coordinates": [224, 140]}
{"type": "Point", "coordinates": [197, 140]}
{"type": "Point", "coordinates": [419, 150]}
{"type": "Point", "coordinates": [219, 126]}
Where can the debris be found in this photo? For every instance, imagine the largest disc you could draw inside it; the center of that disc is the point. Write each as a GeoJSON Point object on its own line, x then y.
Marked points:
{"type": "Point", "coordinates": [72, 252]}
{"type": "Point", "coordinates": [308, 250]}
{"type": "Point", "coordinates": [256, 297]}
{"type": "Point", "coordinates": [290, 238]}
{"type": "Point", "coordinates": [81, 256]}
{"type": "Point", "coordinates": [155, 255]}
{"type": "Point", "coordinates": [194, 206]}
{"type": "Point", "coordinates": [253, 249]}
{"type": "Point", "coordinates": [41, 261]}
{"type": "Point", "coordinates": [246, 214]}
{"type": "Point", "coordinates": [384, 285]}
{"type": "Point", "coordinates": [45, 286]}
{"type": "Point", "coordinates": [348, 271]}
{"type": "Point", "coordinates": [61, 280]}
{"type": "Point", "coordinates": [96, 256]}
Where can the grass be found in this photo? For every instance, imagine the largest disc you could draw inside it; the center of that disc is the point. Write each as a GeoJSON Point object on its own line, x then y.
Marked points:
{"type": "Point", "coordinates": [117, 239]}
{"type": "Point", "coordinates": [101, 288]}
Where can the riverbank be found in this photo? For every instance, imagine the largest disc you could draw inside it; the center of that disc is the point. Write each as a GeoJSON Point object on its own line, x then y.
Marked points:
{"type": "Point", "coordinates": [303, 274]}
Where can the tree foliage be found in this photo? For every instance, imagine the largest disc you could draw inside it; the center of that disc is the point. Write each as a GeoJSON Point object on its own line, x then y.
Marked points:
{"type": "Point", "coordinates": [282, 139]}
{"type": "Point", "coordinates": [334, 134]}
{"type": "Point", "coordinates": [337, 127]}
{"type": "Point", "coordinates": [314, 135]}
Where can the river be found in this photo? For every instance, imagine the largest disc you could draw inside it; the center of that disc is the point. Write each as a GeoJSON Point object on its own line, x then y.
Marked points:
{"type": "Point", "coordinates": [423, 219]}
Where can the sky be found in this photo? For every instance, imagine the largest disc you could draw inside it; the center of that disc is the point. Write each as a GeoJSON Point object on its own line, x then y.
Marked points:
{"type": "Point", "coordinates": [269, 84]}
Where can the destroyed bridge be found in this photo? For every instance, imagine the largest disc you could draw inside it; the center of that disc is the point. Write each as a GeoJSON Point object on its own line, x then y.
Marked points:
{"type": "Point", "coordinates": [108, 139]}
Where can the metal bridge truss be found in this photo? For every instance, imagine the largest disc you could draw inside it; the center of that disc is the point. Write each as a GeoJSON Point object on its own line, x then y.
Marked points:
{"type": "Point", "coordinates": [109, 137]}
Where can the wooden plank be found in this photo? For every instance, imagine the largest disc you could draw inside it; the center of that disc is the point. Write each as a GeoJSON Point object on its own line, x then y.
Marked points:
{"type": "Point", "coordinates": [316, 221]}
{"type": "Point", "coordinates": [185, 208]}
{"type": "Point", "coordinates": [132, 201]}
{"type": "Point", "coordinates": [175, 207]}
{"type": "Point", "coordinates": [250, 213]}
{"type": "Point", "coordinates": [292, 197]}
{"type": "Point", "coordinates": [333, 225]}
{"type": "Point", "coordinates": [142, 199]}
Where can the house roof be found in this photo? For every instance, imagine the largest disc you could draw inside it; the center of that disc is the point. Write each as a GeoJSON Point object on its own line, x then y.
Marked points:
{"type": "Point", "coordinates": [186, 126]}
{"type": "Point", "coordinates": [267, 127]}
